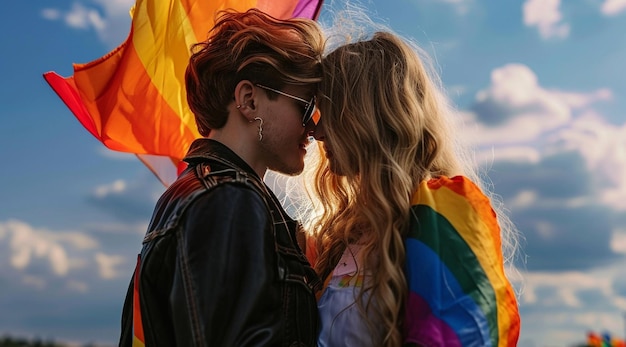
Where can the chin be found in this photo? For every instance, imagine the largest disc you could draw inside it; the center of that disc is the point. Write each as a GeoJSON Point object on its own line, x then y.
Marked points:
{"type": "Point", "coordinates": [289, 170]}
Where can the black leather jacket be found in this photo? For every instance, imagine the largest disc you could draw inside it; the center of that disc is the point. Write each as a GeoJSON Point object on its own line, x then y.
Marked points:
{"type": "Point", "coordinates": [220, 265]}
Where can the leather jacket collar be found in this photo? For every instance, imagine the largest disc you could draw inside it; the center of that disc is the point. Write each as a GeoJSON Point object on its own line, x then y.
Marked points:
{"type": "Point", "coordinates": [204, 149]}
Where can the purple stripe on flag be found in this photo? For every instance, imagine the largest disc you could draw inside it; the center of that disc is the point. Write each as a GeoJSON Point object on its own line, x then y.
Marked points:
{"type": "Point", "coordinates": [428, 330]}
{"type": "Point", "coordinates": [307, 9]}
{"type": "Point", "coordinates": [442, 300]}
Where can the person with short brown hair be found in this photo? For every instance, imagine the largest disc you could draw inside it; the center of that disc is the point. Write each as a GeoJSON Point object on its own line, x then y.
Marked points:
{"type": "Point", "coordinates": [220, 264]}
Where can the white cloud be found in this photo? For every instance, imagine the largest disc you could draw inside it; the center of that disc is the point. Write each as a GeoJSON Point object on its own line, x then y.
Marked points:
{"type": "Point", "coordinates": [51, 14]}
{"type": "Point", "coordinates": [107, 265]}
{"type": "Point", "coordinates": [515, 153]}
{"type": "Point", "coordinates": [520, 117]}
{"type": "Point", "coordinates": [81, 17]}
{"type": "Point", "coordinates": [557, 304]}
{"type": "Point", "coordinates": [77, 240]}
{"type": "Point", "coordinates": [27, 244]}
{"type": "Point", "coordinates": [582, 100]}
{"type": "Point", "coordinates": [118, 20]}
{"type": "Point", "coordinates": [117, 187]}
{"type": "Point", "coordinates": [515, 88]}
{"type": "Point", "coordinates": [567, 328]}
{"type": "Point", "coordinates": [524, 199]}
{"type": "Point", "coordinates": [618, 242]}
{"type": "Point", "coordinates": [603, 146]}
{"type": "Point", "coordinates": [565, 285]}
{"type": "Point", "coordinates": [613, 7]}
{"type": "Point", "coordinates": [111, 20]}
{"type": "Point", "coordinates": [28, 250]}
{"type": "Point", "coordinates": [546, 16]}
{"type": "Point", "coordinates": [131, 202]}
{"type": "Point", "coordinates": [513, 82]}
{"type": "Point", "coordinates": [516, 109]}
{"type": "Point", "coordinates": [516, 132]}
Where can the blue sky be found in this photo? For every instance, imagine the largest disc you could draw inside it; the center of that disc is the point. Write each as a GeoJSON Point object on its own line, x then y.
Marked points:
{"type": "Point", "coordinates": [540, 84]}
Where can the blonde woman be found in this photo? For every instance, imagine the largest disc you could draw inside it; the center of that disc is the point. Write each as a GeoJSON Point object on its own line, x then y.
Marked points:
{"type": "Point", "coordinates": [408, 243]}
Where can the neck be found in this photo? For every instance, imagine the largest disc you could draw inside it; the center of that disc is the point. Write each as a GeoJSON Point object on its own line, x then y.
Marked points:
{"type": "Point", "coordinates": [244, 149]}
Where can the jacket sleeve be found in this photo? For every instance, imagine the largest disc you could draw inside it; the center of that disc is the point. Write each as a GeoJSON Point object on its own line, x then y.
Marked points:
{"type": "Point", "coordinates": [225, 270]}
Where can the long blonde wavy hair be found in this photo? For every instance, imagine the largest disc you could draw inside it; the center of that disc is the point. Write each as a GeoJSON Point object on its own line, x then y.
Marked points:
{"type": "Point", "coordinates": [389, 126]}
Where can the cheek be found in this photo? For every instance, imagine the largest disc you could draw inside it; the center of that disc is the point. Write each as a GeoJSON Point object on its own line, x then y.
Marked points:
{"type": "Point", "coordinates": [289, 116]}
{"type": "Point", "coordinates": [285, 126]}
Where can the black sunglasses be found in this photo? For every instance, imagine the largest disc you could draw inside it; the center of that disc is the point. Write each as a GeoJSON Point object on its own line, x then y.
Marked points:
{"type": "Point", "coordinates": [310, 111]}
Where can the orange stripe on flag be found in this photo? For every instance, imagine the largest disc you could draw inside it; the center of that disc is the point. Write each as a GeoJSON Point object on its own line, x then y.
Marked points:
{"type": "Point", "coordinates": [201, 13]}
{"type": "Point", "coordinates": [138, 336]}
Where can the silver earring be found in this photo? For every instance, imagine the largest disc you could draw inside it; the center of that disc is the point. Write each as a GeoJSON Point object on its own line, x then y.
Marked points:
{"type": "Point", "coordinates": [260, 127]}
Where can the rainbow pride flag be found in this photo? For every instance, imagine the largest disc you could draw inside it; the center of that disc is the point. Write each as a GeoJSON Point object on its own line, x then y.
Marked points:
{"type": "Point", "coordinates": [459, 294]}
{"type": "Point", "coordinates": [133, 98]}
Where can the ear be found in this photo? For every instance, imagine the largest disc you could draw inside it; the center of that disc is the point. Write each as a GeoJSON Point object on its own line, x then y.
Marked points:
{"type": "Point", "coordinates": [245, 98]}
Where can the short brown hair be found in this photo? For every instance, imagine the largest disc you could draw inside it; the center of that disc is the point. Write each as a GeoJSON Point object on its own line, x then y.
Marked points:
{"type": "Point", "coordinates": [253, 46]}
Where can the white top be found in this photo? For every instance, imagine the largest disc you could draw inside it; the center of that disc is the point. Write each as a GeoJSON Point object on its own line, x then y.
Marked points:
{"type": "Point", "coordinates": [342, 324]}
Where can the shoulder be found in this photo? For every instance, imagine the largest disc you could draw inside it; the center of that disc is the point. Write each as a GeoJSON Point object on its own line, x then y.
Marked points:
{"type": "Point", "coordinates": [218, 183]}
{"type": "Point", "coordinates": [457, 184]}
{"type": "Point", "coordinates": [227, 212]}
{"type": "Point", "coordinates": [456, 203]}
{"type": "Point", "coordinates": [443, 189]}
{"type": "Point", "coordinates": [208, 197]}
{"type": "Point", "coordinates": [235, 196]}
